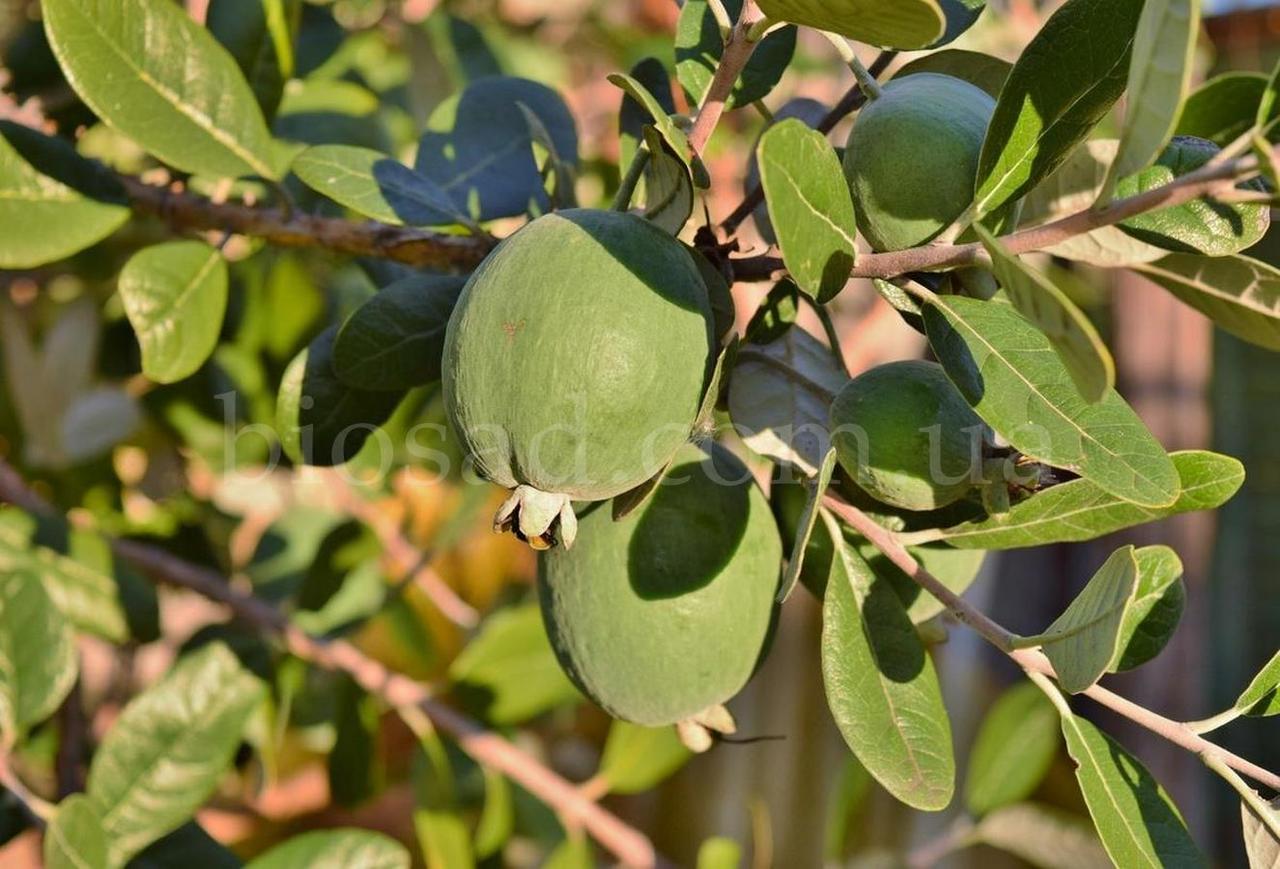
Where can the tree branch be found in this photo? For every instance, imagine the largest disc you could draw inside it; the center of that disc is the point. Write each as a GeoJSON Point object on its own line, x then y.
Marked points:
{"type": "Point", "coordinates": [738, 49]}
{"type": "Point", "coordinates": [1032, 660]}
{"type": "Point", "coordinates": [631, 847]}
{"type": "Point", "coordinates": [1209, 180]}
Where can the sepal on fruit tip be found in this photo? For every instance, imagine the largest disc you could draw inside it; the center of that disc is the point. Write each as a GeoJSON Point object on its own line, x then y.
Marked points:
{"type": "Point", "coordinates": [541, 519]}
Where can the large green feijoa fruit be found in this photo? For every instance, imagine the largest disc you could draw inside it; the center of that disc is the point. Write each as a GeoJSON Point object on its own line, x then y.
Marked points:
{"type": "Point", "coordinates": [906, 436]}
{"type": "Point", "coordinates": [575, 363]}
{"type": "Point", "coordinates": [662, 615]}
{"type": "Point", "coordinates": [913, 157]}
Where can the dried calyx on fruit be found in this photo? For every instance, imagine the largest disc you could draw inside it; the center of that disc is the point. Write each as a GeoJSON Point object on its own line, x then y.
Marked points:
{"type": "Point", "coordinates": [575, 364]}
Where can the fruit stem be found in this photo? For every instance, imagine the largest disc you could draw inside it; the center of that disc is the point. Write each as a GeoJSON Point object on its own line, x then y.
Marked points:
{"type": "Point", "coordinates": [866, 80]}
{"type": "Point", "coordinates": [622, 200]}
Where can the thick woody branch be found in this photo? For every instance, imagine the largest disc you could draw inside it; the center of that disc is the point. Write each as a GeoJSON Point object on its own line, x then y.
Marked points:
{"type": "Point", "coordinates": [630, 846]}
{"type": "Point", "coordinates": [1032, 660]}
{"type": "Point", "coordinates": [1208, 181]}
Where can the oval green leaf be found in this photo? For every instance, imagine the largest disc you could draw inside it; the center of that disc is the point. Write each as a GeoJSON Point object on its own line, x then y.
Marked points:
{"type": "Point", "coordinates": [809, 206]}
{"type": "Point", "coordinates": [1007, 370]}
{"type": "Point", "coordinates": [981, 70]}
{"type": "Point", "coordinates": [814, 488]}
{"type": "Point", "coordinates": [1149, 622]}
{"type": "Point", "coordinates": [37, 654]}
{"type": "Point", "coordinates": [638, 758]}
{"type": "Point", "coordinates": [1240, 294]}
{"type": "Point", "coordinates": [1262, 698]}
{"type": "Point", "coordinates": [1083, 641]}
{"type": "Point", "coordinates": [881, 685]}
{"type": "Point", "coordinates": [75, 838]}
{"type": "Point", "coordinates": [1223, 108]}
{"type": "Point", "coordinates": [375, 185]}
{"type": "Point", "coordinates": [896, 24]}
{"type": "Point", "coordinates": [1013, 750]}
{"type": "Point", "coordinates": [147, 69]}
{"type": "Point", "coordinates": [1066, 80]}
{"type": "Point", "coordinates": [259, 34]}
{"type": "Point", "coordinates": [336, 849]}
{"type": "Point", "coordinates": [175, 296]}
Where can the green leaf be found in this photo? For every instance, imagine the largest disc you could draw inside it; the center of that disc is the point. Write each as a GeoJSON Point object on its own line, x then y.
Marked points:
{"type": "Point", "coordinates": [321, 420]}
{"type": "Point", "coordinates": [675, 138]}
{"type": "Point", "coordinates": [1262, 698]}
{"type": "Point", "coordinates": [1260, 842]}
{"type": "Point", "coordinates": [375, 185]}
{"type": "Point", "coordinates": [1079, 510]}
{"type": "Point", "coordinates": [1043, 836]}
{"type": "Point", "coordinates": [810, 112]}
{"type": "Point", "coordinates": [444, 839]}
{"type": "Point", "coordinates": [175, 296]}
{"type": "Point", "coordinates": [336, 849]}
{"type": "Point", "coordinates": [1203, 225]}
{"type": "Point", "coordinates": [982, 70]}
{"type": "Point", "coordinates": [1138, 822]}
{"type": "Point", "coordinates": [479, 149]}
{"type": "Point", "coordinates": [815, 487]}
{"type": "Point", "coordinates": [1013, 750]}
{"type": "Point", "coordinates": [1007, 370]}
{"type": "Point", "coordinates": [165, 753]}
{"type": "Point", "coordinates": [574, 852]}
{"type": "Point", "coordinates": [699, 47]}
{"type": "Point", "coordinates": [1159, 77]}
{"type": "Point", "coordinates": [954, 568]}
{"type": "Point", "coordinates": [637, 758]}
{"type": "Point", "coordinates": [1269, 104]}
{"type": "Point", "coordinates": [38, 661]}
{"type": "Point", "coordinates": [1083, 641]}
{"type": "Point", "coordinates": [259, 34]}
{"type": "Point", "coordinates": [509, 671]}
{"type": "Point", "coordinates": [668, 185]}
{"type": "Point", "coordinates": [1067, 79]}
{"type": "Point", "coordinates": [1223, 108]}
{"type": "Point", "coordinates": [881, 685]}
{"type": "Point", "coordinates": [351, 760]}
{"type": "Point", "coordinates": [899, 24]}
{"type": "Point", "coordinates": [395, 341]}
{"type": "Point", "coordinates": [809, 207]}
{"type": "Point", "coordinates": [147, 69]}
{"type": "Point", "coordinates": [654, 85]}
{"type": "Point", "coordinates": [75, 838]}
{"type": "Point", "coordinates": [1157, 606]}
{"type": "Point", "coordinates": [53, 202]}
{"type": "Point", "coordinates": [1240, 294]}
{"type": "Point", "coordinates": [189, 845]}
{"type": "Point", "coordinates": [1049, 309]}
{"type": "Point", "coordinates": [497, 817]}
{"type": "Point", "coordinates": [719, 852]}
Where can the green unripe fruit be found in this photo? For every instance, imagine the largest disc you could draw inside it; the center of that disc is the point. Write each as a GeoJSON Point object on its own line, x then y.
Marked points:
{"type": "Point", "coordinates": [575, 363]}
{"type": "Point", "coordinates": [912, 158]}
{"type": "Point", "coordinates": [663, 614]}
{"type": "Point", "coordinates": [905, 436]}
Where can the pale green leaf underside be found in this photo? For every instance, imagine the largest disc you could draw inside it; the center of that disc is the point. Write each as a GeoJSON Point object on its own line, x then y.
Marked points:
{"type": "Point", "coordinates": [1240, 294]}
{"type": "Point", "coordinates": [1042, 835]}
{"type": "Point", "coordinates": [375, 185]}
{"type": "Point", "coordinates": [815, 488]}
{"type": "Point", "coordinates": [1082, 642]}
{"type": "Point", "coordinates": [74, 838]}
{"type": "Point", "coordinates": [1011, 375]}
{"type": "Point", "coordinates": [1013, 750]}
{"type": "Point", "coordinates": [881, 684]}
{"type": "Point", "coordinates": [809, 207]}
{"type": "Point", "coordinates": [1080, 510]}
{"type": "Point", "coordinates": [37, 654]}
{"type": "Point", "coordinates": [1262, 697]}
{"type": "Point", "coordinates": [147, 69]}
{"type": "Point", "coordinates": [1138, 822]}
{"type": "Point", "coordinates": [1080, 347]}
{"type": "Point", "coordinates": [165, 753]}
{"type": "Point", "coordinates": [175, 296]}
{"type": "Point", "coordinates": [1159, 78]}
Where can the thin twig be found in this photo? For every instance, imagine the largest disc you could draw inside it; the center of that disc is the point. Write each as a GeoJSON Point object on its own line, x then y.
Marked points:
{"type": "Point", "coordinates": [738, 49]}
{"type": "Point", "coordinates": [1032, 660]}
{"type": "Point", "coordinates": [629, 845]}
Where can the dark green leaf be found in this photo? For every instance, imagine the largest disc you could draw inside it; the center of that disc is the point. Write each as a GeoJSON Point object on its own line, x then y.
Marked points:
{"type": "Point", "coordinates": [1157, 605]}
{"type": "Point", "coordinates": [1138, 822]}
{"type": "Point", "coordinates": [1008, 372]}
{"type": "Point", "coordinates": [1066, 80]}
{"type": "Point", "coordinates": [480, 150]}
{"type": "Point", "coordinates": [509, 671]}
{"type": "Point", "coordinates": [637, 758]}
{"type": "Point", "coordinates": [321, 420]}
{"type": "Point", "coordinates": [147, 69]}
{"type": "Point", "coordinates": [336, 849]}
{"type": "Point", "coordinates": [815, 487]}
{"type": "Point", "coordinates": [187, 847]}
{"type": "Point", "coordinates": [899, 24]}
{"type": "Point", "coordinates": [1076, 341]}
{"type": "Point", "coordinates": [352, 778]}
{"type": "Point", "coordinates": [961, 15]}
{"type": "Point", "coordinates": [38, 659]}
{"type": "Point", "coordinates": [375, 185]}
{"type": "Point", "coordinates": [881, 685]}
{"type": "Point", "coordinates": [654, 80]}
{"type": "Point", "coordinates": [259, 34]}
{"type": "Point", "coordinates": [53, 203]}
{"type": "Point", "coordinates": [982, 70]}
{"type": "Point", "coordinates": [1262, 697]}
{"type": "Point", "coordinates": [1013, 750]}
{"type": "Point", "coordinates": [75, 838]}
{"type": "Point", "coordinates": [699, 47]}
{"type": "Point", "coordinates": [175, 295]}
{"type": "Point", "coordinates": [809, 206]}
{"type": "Point", "coordinates": [1084, 640]}
{"type": "Point", "coordinates": [955, 568]}
{"type": "Point", "coordinates": [1079, 510]}
{"type": "Point", "coordinates": [395, 341]}
{"type": "Point", "coordinates": [668, 186]}
{"type": "Point", "coordinates": [165, 753]}
{"type": "Point", "coordinates": [1223, 108]}
{"type": "Point", "coordinates": [675, 138]}
{"type": "Point", "coordinates": [1240, 294]}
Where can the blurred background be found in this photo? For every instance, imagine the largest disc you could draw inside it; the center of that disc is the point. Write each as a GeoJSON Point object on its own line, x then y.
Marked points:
{"type": "Point", "coordinates": [346, 549]}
